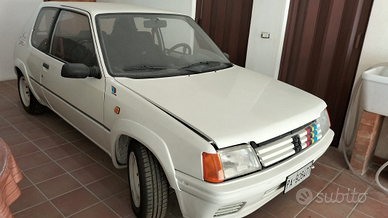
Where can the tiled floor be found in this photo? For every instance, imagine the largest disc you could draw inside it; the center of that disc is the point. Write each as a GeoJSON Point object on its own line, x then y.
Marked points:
{"type": "Point", "coordinates": [65, 175]}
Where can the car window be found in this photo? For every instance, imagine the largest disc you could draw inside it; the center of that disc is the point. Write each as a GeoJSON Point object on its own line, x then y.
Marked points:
{"type": "Point", "coordinates": [42, 28]}
{"type": "Point", "coordinates": [156, 45]}
{"type": "Point", "coordinates": [177, 27]}
{"type": "Point", "coordinates": [72, 39]}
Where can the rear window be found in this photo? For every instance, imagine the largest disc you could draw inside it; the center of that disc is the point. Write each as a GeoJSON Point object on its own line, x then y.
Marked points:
{"type": "Point", "coordinates": [42, 28]}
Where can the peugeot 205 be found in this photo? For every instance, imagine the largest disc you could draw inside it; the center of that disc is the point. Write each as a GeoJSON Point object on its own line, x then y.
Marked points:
{"type": "Point", "coordinates": [152, 90]}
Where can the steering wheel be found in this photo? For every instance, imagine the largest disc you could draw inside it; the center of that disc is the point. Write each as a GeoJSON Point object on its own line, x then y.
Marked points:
{"type": "Point", "coordinates": [84, 42]}
{"type": "Point", "coordinates": [186, 48]}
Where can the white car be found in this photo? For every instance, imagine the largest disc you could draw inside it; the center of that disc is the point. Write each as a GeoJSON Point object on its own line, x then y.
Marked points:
{"type": "Point", "coordinates": [151, 89]}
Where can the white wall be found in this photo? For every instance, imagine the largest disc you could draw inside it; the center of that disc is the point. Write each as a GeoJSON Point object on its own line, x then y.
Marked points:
{"type": "Point", "coordinates": [13, 16]}
{"type": "Point", "coordinates": [374, 51]}
{"type": "Point", "coordinates": [182, 6]}
{"type": "Point", "coordinates": [264, 55]}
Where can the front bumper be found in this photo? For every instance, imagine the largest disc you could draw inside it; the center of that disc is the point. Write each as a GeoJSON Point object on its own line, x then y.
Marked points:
{"type": "Point", "coordinates": [202, 199]}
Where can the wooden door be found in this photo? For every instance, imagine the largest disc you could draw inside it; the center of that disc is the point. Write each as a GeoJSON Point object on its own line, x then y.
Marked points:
{"type": "Point", "coordinates": [321, 51]}
{"type": "Point", "coordinates": [227, 22]}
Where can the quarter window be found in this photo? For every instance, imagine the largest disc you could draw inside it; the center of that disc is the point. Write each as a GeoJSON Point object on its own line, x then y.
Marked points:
{"type": "Point", "coordinates": [72, 40]}
{"type": "Point", "coordinates": [42, 28]}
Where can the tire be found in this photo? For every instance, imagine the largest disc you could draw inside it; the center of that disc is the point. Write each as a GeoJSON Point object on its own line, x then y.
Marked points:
{"type": "Point", "coordinates": [29, 102]}
{"type": "Point", "coordinates": [147, 183]}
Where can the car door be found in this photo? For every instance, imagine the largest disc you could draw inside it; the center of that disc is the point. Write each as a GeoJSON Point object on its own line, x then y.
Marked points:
{"type": "Point", "coordinates": [79, 101]}
{"type": "Point", "coordinates": [39, 49]}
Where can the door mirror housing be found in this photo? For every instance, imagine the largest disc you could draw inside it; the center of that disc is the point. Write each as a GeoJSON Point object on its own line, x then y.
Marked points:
{"type": "Point", "coordinates": [79, 71]}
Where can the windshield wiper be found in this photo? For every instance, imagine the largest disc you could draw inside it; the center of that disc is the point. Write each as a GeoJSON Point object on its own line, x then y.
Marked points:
{"type": "Point", "coordinates": [145, 68]}
{"type": "Point", "coordinates": [206, 66]}
{"type": "Point", "coordinates": [203, 63]}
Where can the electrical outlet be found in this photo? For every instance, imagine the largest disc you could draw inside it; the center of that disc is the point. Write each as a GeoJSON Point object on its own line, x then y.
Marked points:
{"type": "Point", "coordinates": [265, 35]}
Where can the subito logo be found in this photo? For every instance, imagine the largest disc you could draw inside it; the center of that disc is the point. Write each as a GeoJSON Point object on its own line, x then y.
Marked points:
{"type": "Point", "coordinates": [304, 196]}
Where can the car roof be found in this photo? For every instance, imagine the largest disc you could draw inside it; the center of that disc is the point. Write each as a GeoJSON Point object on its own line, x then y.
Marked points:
{"type": "Point", "coordinates": [95, 8]}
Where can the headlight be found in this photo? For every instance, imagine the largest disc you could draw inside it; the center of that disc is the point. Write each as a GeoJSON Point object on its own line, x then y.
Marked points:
{"type": "Point", "coordinates": [238, 160]}
{"type": "Point", "coordinates": [324, 121]}
{"type": "Point", "coordinates": [229, 163]}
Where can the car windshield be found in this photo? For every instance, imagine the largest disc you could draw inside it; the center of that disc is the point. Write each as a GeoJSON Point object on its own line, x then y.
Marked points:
{"type": "Point", "coordinates": [156, 45]}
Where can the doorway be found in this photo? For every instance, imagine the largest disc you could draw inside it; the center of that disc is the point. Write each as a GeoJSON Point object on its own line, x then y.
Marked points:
{"type": "Point", "coordinates": [227, 22]}
{"type": "Point", "coordinates": [321, 51]}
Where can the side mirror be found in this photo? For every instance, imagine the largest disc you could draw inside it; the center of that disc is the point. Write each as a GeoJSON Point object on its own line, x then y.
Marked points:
{"type": "Point", "coordinates": [226, 55]}
{"type": "Point", "coordinates": [76, 71]}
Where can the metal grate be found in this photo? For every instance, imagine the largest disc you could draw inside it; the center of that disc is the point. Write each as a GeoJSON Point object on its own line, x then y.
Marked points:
{"type": "Point", "coordinates": [289, 145]}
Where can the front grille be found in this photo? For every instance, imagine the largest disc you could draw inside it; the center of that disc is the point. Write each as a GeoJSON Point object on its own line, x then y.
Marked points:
{"type": "Point", "coordinates": [229, 209]}
{"type": "Point", "coordinates": [289, 145]}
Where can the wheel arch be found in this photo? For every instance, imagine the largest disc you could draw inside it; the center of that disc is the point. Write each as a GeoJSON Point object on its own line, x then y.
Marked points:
{"type": "Point", "coordinates": [149, 139]}
{"type": "Point", "coordinates": [21, 70]}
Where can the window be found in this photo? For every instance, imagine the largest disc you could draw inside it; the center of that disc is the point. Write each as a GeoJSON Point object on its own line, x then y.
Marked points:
{"type": "Point", "coordinates": [42, 28]}
{"type": "Point", "coordinates": [72, 40]}
{"type": "Point", "coordinates": [156, 45]}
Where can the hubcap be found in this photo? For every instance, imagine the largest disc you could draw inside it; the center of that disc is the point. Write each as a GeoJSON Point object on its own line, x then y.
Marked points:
{"type": "Point", "coordinates": [134, 179]}
{"type": "Point", "coordinates": [24, 91]}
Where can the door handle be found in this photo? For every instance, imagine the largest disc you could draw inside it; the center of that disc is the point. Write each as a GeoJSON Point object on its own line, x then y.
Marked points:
{"type": "Point", "coordinates": [46, 66]}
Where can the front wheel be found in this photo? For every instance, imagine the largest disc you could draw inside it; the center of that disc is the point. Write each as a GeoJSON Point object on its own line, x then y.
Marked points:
{"type": "Point", "coordinates": [29, 102]}
{"type": "Point", "coordinates": [147, 183]}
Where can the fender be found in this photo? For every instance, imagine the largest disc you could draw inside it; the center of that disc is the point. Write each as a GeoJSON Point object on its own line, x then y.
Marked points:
{"type": "Point", "coordinates": [23, 69]}
{"type": "Point", "coordinates": [149, 139]}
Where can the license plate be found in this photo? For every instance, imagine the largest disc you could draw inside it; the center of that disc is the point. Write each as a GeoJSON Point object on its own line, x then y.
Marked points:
{"type": "Point", "coordinates": [298, 177]}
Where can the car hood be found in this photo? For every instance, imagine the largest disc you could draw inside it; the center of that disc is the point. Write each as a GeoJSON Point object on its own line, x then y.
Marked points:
{"type": "Point", "coordinates": [230, 106]}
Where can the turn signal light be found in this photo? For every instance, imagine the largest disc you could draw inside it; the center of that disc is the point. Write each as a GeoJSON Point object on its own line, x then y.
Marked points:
{"type": "Point", "coordinates": [328, 117]}
{"type": "Point", "coordinates": [212, 168]}
{"type": "Point", "coordinates": [117, 110]}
